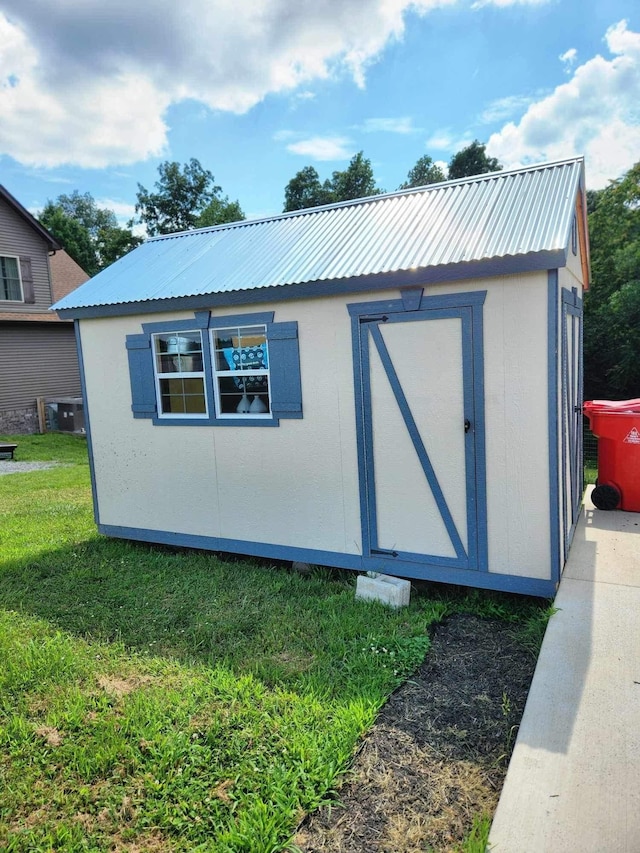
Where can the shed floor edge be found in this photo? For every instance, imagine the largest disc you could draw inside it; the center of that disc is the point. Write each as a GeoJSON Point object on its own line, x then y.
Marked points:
{"type": "Point", "coordinates": [335, 559]}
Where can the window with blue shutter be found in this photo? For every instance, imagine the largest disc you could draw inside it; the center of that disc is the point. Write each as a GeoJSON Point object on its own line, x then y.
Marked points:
{"type": "Point", "coordinates": [240, 370]}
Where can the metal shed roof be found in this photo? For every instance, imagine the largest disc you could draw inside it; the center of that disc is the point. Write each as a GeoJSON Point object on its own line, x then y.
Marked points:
{"type": "Point", "coordinates": [500, 222]}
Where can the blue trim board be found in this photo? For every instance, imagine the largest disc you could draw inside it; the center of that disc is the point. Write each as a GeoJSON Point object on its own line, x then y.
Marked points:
{"type": "Point", "coordinates": [87, 421]}
{"type": "Point", "coordinates": [335, 559]}
{"type": "Point", "coordinates": [479, 433]}
{"type": "Point", "coordinates": [334, 287]}
{"type": "Point", "coordinates": [552, 422]}
{"type": "Point", "coordinates": [427, 303]}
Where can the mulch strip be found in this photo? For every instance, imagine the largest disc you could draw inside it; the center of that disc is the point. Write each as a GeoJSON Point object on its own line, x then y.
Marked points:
{"type": "Point", "coordinates": [438, 753]}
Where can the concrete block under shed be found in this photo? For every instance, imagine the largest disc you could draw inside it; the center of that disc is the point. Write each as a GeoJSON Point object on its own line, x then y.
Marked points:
{"type": "Point", "coordinates": [395, 592]}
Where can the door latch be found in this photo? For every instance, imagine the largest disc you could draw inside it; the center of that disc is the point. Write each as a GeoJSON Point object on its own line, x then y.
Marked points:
{"type": "Point", "coordinates": [467, 424]}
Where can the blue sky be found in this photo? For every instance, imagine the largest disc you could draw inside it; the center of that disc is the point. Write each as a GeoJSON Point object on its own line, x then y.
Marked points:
{"type": "Point", "coordinates": [94, 95]}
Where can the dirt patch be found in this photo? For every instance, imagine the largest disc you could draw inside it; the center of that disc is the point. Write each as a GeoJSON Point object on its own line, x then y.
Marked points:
{"type": "Point", "coordinates": [119, 687]}
{"type": "Point", "coordinates": [51, 735]}
{"type": "Point", "coordinates": [438, 753]}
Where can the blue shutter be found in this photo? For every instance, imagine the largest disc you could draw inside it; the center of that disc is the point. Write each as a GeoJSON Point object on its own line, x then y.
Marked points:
{"type": "Point", "coordinates": [284, 370]}
{"type": "Point", "coordinates": [143, 387]}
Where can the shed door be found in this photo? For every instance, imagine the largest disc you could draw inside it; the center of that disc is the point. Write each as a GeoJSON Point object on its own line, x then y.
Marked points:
{"type": "Point", "coordinates": [423, 438]}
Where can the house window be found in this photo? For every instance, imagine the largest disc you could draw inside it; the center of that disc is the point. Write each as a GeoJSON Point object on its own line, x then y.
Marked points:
{"type": "Point", "coordinates": [10, 285]}
{"type": "Point", "coordinates": [179, 371]}
{"type": "Point", "coordinates": [241, 371]}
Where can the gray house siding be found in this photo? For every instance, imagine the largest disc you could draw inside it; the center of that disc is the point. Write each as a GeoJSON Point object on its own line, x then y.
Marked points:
{"type": "Point", "coordinates": [38, 355]}
{"type": "Point", "coordinates": [18, 238]}
{"type": "Point", "coordinates": [36, 360]}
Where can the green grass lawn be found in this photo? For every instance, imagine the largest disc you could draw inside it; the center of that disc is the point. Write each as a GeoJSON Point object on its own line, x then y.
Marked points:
{"type": "Point", "coordinates": [163, 700]}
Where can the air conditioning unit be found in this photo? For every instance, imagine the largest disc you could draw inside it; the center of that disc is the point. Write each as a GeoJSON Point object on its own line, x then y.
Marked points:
{"type": "Point", "coordinates": [65, 414]}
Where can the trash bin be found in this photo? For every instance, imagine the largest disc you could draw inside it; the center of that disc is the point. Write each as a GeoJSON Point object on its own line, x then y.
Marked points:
{"type": "Point", "coordinates": [616, 423]}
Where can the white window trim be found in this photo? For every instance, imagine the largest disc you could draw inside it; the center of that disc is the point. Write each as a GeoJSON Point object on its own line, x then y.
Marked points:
{"type": "Point", "coordinates": [198, 374]}
{"type": "Point", "coordinates": [20, 301]}
{"type": "Point", "coordinates": [230, 374]}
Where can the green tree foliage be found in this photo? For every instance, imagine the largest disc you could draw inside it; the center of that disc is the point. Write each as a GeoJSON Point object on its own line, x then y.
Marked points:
{"type": "Point", "coordinates": [72, 236]}
{"type": "Point", "coordinates": [305, 190]}
{"type": "Point", "coordinates": [220, 211]}
{"type": "Point", "coordinates": [356, 181]}
{"type": "Point", "coordinates": [184, 195]}
{"type": "Point", "coordinates": [472, 160]}
{"type": "Point", "coordinates": [424, 172]}
{"type": "Point", "coordinates": [612, 305]}
{"type": "Point", "coordinates": [90, 234]}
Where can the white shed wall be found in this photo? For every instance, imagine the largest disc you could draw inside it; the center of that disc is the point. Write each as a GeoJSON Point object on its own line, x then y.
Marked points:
{"type": "Point", "coordinates": [297, 484]}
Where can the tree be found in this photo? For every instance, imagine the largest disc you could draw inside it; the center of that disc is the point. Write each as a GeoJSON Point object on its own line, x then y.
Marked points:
{"type": "Point", "coordinates": [72, 236]}
{"type": "Point", "coordinates": [220, 211]}
{"type": "Point", "coordinates": [424, 172]}
{"type": "Point", "coordinates": [305, 190]}
{"type": "Point", "coordinates": [90, 234]}
{"type": "Point", "coordinates": [472, 160]}
{"type": "Point", "coordinates": [612, 305]}
{"type": "Point", "coordinates": [182, 196]}
{"type": "Point", "coordinates": [356, 181]}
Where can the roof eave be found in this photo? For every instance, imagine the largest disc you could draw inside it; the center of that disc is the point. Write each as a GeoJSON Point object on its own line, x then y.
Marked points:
{"type": "Point", "coordinates": [425, 276]}
{"type": "Point", "coordinates": [30, 219]}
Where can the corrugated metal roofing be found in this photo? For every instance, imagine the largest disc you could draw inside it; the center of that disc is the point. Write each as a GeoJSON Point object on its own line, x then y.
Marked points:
{"type": "Point", "coordinates": [516, 213]}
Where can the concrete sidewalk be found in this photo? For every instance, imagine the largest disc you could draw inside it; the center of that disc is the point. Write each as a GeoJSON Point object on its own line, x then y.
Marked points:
{"type": "Point", "coordinates": [573, 784]}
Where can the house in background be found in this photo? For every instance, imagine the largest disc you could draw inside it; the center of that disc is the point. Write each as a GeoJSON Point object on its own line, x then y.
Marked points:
{"type": "Point", "coordinates": [391, 384]}
{"type": "Point", "coordinates": [38, 356]}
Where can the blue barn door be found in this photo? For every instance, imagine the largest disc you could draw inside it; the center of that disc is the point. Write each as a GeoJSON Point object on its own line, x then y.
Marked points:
{"type": "Point", "coordinates": [572, 418]}
{"type": "Point", "coordinates": [421, 443]}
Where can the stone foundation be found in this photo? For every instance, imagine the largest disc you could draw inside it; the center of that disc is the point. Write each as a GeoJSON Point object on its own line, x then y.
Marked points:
{"type": "Point", "coordinates": [19, 421]}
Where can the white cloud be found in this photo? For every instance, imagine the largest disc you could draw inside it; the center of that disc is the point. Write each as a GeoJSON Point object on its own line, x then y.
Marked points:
{"type": "Point", "coordinates": [569, 57]}
{"type": "Point", "coordinates": [403, 124]}
{"type": "Point", "coordinates": [479, 3]}
{"type": "Point", "coordinates": [122, 210]}
{"type": "Point", "coordinates": [324, 148]}
{"type": "Point", "coordinates": [504, 107]}
{"type": "Point", "coordinates": [90, 83]}
{"type": "Point", "coordinates": [595, 113]}
{"type": "Point", "coordinates": [446, 140]}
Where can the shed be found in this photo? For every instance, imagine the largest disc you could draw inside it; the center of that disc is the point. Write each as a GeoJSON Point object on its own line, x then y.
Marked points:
{"type": "Point", "coordinates": [390, 384]}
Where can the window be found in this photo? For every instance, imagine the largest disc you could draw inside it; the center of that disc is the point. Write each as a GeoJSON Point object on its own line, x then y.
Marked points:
{"type": "Point", "coordinates": [10, 284]}
{"type": "Point", "coordinates": [179, 371]}
{"type": "Point", "coordinates": [240, 370]}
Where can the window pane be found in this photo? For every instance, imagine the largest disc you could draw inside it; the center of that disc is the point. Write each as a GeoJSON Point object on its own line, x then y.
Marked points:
{"type": "Point", "coordinates": [182, 395]}
{"type": "Point", "coordinates": [246, 403]}
{"type": "Point", "coordinates": [10, 280]}
{"type": "Point", "coordinates": [178, 352]}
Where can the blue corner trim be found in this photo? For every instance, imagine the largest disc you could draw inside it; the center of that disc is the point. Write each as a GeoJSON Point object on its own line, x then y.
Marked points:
{"type": "Point", "coordinates": [488, 268]}
{"type": "Point", "coordinates": [87, 422]}
{"type": "Point", "coordinates": [571, 413]}
{"type": "Point", "coordinates": [400, 568]}
{"type": "Point", "coordinates": [552, 420]}
{"type": "Point", "coordinates": [477, 465]}
{"type": "Point", "coordinates": [418, 444]}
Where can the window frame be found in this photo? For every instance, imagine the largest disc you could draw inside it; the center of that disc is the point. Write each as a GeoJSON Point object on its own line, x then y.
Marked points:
{"type": "Point", "coordinates": [179, 374]}
{"type": "Point", "coordinates": [15, 258]}
{"type": "Point", "coordinates": [285, 385]}
{"type": "Point", "coordinates": [214, 327]}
